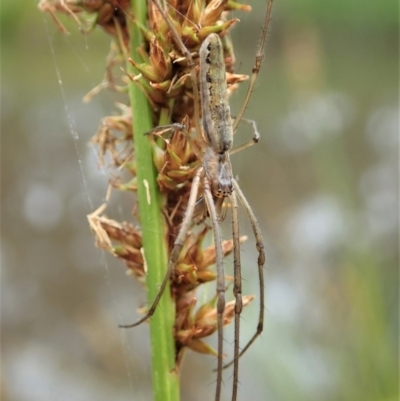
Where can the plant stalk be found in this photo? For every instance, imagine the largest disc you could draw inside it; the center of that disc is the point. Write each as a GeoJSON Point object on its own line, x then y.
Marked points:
{"type": "Point", "coordinates": [165, 378]}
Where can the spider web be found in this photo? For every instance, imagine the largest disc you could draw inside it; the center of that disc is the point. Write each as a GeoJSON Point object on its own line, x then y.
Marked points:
{"type": "Point", "coordinates": [92, 180]}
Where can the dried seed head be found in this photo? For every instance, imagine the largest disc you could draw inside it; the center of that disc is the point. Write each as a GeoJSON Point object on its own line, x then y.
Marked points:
{"type": "Point", "coordinates": [209, 253]}
{"type": "Point", "coordinates": [203, 324]}
{"type": "Point", "coordinates": [161, 63]}
{"type": "Point", "coordinates": [212, 12]}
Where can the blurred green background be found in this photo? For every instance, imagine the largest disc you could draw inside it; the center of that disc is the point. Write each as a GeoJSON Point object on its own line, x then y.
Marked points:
{"type": "Point", "coordinates": [323, 182]}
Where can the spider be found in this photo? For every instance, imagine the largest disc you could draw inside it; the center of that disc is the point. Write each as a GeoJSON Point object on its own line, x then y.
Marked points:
{"type": "Point", "coordinates": [215, 178]}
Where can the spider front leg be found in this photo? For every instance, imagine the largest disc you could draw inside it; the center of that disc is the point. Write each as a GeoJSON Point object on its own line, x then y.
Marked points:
{"type": "Point", "coordinates": [220, 281]}
{"type": "Point", "coordinates": [260, 263]}
{"type": "Point", "coordinates": [178, 244]}
{"type": "Point", "coordinates": [237, 291]}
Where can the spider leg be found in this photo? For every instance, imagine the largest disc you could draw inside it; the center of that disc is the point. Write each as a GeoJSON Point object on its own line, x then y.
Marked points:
{"type": "Point", "coordinates": [220, 282]}
{"type": "Point", "coordinates": [257, 65]}
{"type": "Point", "coordinates": [252, 141]}
{"type": "Point", "coordinates": [260, 262]}
{"type": "Point", "coordinates": [187, 222]}
{"type": "Point", "coordinates": [237, 291]}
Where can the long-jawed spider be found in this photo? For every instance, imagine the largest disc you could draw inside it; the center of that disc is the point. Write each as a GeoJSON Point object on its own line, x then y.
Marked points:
{"type": "Point", "coordinates": [214, 178]}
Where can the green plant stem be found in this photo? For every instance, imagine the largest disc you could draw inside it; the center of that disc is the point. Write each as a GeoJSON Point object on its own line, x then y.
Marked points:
{"type": "Point", "coordinates": [165, 378]}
